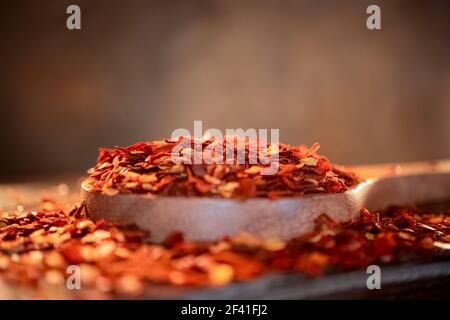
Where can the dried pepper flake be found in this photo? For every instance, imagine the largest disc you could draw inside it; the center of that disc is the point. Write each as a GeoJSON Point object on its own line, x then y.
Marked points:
{"type": "Point", "coordinates": [148, 168]}
{"type": "Point", "coordinates": [36, 248]}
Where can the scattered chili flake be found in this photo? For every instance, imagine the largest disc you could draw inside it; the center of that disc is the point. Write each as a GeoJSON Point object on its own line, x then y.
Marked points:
{"type": "Point", "coordinates": [36, 248]}
{"type": "Point", "coordinates": [148, 167]}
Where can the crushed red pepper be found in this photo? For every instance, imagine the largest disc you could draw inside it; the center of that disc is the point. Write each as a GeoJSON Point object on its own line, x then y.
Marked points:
{"type": "Point", "coordinates": [36, 248]}
{"type": "Point", "coordinates": [149, 167]}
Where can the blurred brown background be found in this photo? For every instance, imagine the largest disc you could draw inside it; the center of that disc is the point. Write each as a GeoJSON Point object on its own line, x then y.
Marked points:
{"type": "Point", "coordinates": [139, 69]}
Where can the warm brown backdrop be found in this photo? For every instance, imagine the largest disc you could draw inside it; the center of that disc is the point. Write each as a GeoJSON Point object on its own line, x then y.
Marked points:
{"type": "Point", "coordinates": [139, 69]}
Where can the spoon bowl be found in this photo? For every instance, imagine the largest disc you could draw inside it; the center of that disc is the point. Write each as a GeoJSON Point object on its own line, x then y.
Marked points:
{"type": "Point", "coordinates": [209, 219]}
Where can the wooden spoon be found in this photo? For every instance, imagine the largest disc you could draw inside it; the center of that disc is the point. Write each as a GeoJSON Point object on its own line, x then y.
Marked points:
{"type": "Point", "coordinates": [212, 218]}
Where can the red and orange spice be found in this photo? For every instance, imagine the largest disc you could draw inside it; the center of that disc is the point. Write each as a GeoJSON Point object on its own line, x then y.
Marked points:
{"type": "Point", "coordinates": [148, 167]}
{"type": "Point", "coordinates": [37, 247]}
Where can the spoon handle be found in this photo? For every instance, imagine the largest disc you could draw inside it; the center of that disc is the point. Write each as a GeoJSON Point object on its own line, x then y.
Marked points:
{"type": "Point", "coordinates": [409, 168]}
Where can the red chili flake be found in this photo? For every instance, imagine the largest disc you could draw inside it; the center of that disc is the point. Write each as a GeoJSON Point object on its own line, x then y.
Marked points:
{"type": "Point", "coordinates": [173, 239]}
{"type": "Point", "coordinates": [312, 263]}
{"type": "Point", "coordinates": [404, 220]}
{"type": "Point", "coordinates": [148, 167]}
{"type": "Point", "coordinates": [36, 248]}
{"type": "Point", "coordinates": [72, 253]}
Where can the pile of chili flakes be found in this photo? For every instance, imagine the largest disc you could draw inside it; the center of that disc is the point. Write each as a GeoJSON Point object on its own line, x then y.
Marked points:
{"type": "Point", "coordinates": [148, 167]}
{"type": "Point", "coordinates": [37, 247]}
